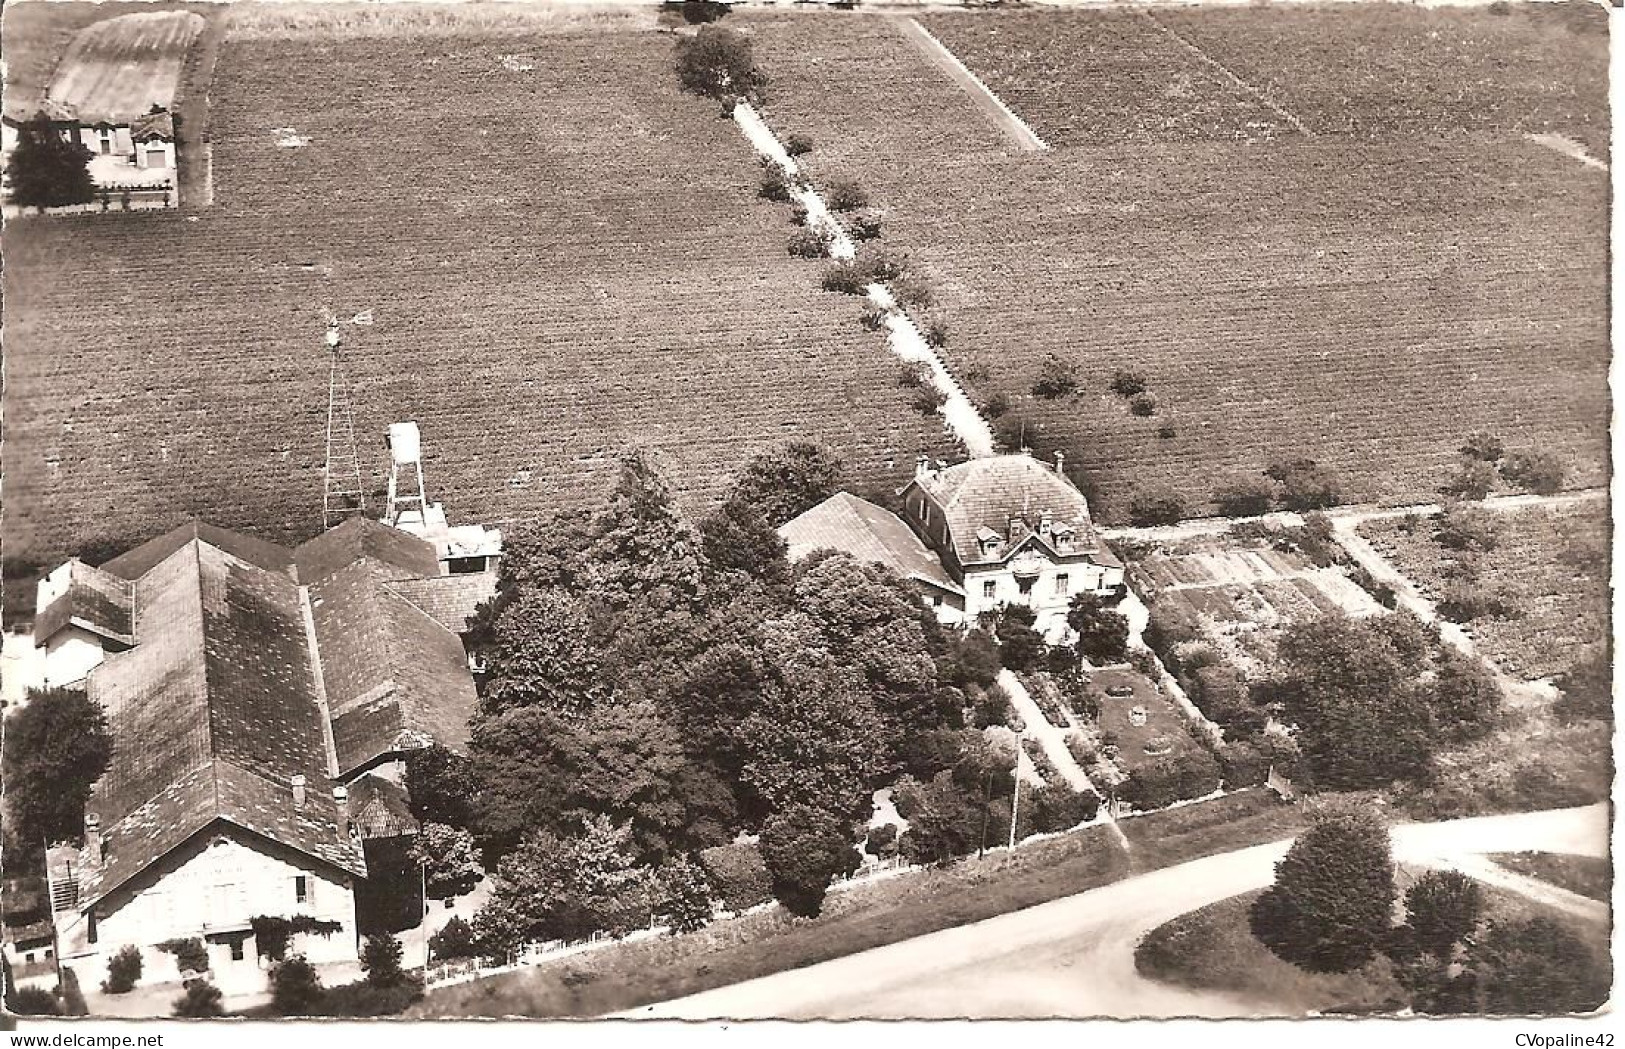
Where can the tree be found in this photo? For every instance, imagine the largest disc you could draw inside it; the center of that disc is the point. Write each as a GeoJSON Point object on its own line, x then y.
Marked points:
{"type": "Point", "coordinates": [123, 970]}
{"type": "Point", "coordinates": [1473, 479]}
{"type": "Point", "coordinates": [1534, 965]}
{"type": "Point", "coordinates": [1243, 495]}
{"type": "Point", "coordinates": [717, 63]}
{"type": "Point", "coordinates": [1056, 378]}
{"type": "Point", "coordinates": [381, 960]}
{"type": "Point", "coordinates": [805, 849]}
{"type": "Point", "coordinates": [738, 537]}
{"type": "Point", "coordinates": [684, 895]}
{"type": "Point", "coordinates": [944, 820]}
{"type": "Point", "coordinates": [542, 652]}
{"type": "Point", "coordinates": [1464, 697]}
{"type": "Point", "coordinates": [1020, 646]}
{"type": "Point", "coordinates": [1305, 484]}
{"type": "Point", "coordinates": [1156, 506]}
{"type": "Point", "coordinates": [1484, 447]}
{"type": "Point", "coordinates": [738, 874]}
{"type": "Point", "coordinates": [1363, 718]}
{"type": "Point", "coordinates": [46, 170]}
{"type": "Point", "coordinates": [1102, 631]}
{"type": "Point", "coordinates": [552, 887]}
{"type": "Point", "coordinates": [455, 939]}
{"type": "Point", "coordinates": [440, 784]}
{"type": "Point", "coordinates": [446, 855]}
{"type": "Point", "coordinates": [1442, 907]}
{"type": "Point", "coordinates": [1586, 689]}
{"type": "Point", "coordinates": [33, 1001]}
{"type": "Point", "coordinates": [295, 988]}
{"type": "Point", "coordinates": [56, 747]}
{"type": "Point", "coordinates": [642, 553]}
{"type": "Point", "coordinates": [1165, 780]}
{"type": "Point", "coordinates": [200, 1001]}
{"type": "Point", "coordinates": [1328, 910]}
{"type": "Point", "coordinates": [788, 481]}
{"type": "Point", "coordinates": [1540, 472]}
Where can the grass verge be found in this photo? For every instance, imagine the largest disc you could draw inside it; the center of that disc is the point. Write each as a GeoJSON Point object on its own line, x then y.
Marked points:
{"type": "Point", "coordinates": [1589, 876]}
{"type": "Point", "coordinates": [872, 915]}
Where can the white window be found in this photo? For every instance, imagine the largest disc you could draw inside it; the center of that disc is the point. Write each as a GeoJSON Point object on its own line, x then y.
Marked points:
{"type": "Point", "coordinates": [156, 158]}
{"type": "Point", "coordinates": [989, 588]}
{"type": "Point", "coordinates": [1062, 583]}
{"type": "Point", "coordinates": [104, 139]}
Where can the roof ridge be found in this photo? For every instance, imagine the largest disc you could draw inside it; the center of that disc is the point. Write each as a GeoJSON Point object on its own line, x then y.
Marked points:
{"type": "Point", "coordinates": [195, 546]}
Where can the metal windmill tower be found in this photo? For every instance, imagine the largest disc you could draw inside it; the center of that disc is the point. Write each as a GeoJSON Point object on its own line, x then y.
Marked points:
{"type": "Point", "coordinates": [342, 494]}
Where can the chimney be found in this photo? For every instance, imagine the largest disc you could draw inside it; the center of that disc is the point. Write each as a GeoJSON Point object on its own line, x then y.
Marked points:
{"type": "Point", "coordinates": [1060, 462]}
{"type": "Point", "coordinates": [298, 783]}
{"type": "Point", "coordinates": [1045, 524]}
{"type": "Point", "coordinates": [93, 839]}
{"type": "Point", "coordinates": [341, 794]}
{"type": "Point", "coordinates": [922, 466]}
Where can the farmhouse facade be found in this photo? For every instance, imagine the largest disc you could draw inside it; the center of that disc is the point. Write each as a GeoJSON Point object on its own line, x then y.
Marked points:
{"type": "Point", "coordinates": [246, 687]}
{"type": "Point", "coordinates": [974, 537]}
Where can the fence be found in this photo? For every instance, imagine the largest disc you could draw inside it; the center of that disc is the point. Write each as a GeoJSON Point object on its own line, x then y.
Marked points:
{"type": "Point", "coordinates": [116, 198]}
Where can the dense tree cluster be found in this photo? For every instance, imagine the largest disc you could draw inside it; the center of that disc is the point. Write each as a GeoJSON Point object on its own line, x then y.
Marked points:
{"type": "Point", "coordinates": [46, 170]}
{"type": "Point", "coordinates": [1328, 910]}
{"type": "Point", "coordinates": [56, 747]}
{"type": "Point", "coordinates": [656, 688]}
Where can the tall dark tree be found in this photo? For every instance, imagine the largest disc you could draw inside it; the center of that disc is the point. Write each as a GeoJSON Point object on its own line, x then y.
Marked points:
{"type": "Point", "coordinates": [642, 553]}
{"type": "Point", "coordinates": [1306, 484]}
{"type": "Point", "coordinates": [47, 171]}
{"type": "Point", "coordinates": [295, 988]}
{"type": "Point", "coordinates": [56, 747]}
{"type": "Point", "coordinates": [717, 63]}
{"type": "Point", "coordinates": [440, 784]}
{"type": "Point", "coordinates": [542, 649]}
{"type": "Point", "coordinates": [1534, 965]}
{"type": "Point", "coordinates": [786, 482]}
{"type": "Point", "coordinates": [1363, 718]}
{"type": "Point", "coordinates": [1020, 646]}
{"type": "Point", "coordinates": [1102, 630]}
{"type": "Point", "coordinates": [1329, 908]}
{"type": "Point", "coordinates": [805, 849]}
{"type": "Point", "coordinates": [1465, 698]}
{"type": "Point", "coordinates": [1441, 908]}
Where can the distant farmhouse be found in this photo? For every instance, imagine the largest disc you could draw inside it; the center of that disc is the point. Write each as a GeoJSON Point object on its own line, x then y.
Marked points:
{"type": "Point", "coordinates": [249, 689]}
{"type": "Point", "coordinates": [1005, 530]}
{"type": "Point", "coordinates": [114, 93]}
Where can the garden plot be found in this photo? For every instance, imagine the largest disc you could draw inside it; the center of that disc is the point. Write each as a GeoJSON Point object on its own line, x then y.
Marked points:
{"type": "Point", "coordinates": [578, 263]}
{"type": "Point", "coordinates": [1550, 564]}
{"type": "Point", "coordinates": [1244, 595]}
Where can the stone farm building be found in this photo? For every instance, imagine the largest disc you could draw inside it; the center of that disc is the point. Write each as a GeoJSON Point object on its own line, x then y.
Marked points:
{"type": "Point", "coordinates": [114, 93]}
{"type": "Point", "coordinates": [248, 689]}
{"type": "Point", "coordinates": [1003, 530]}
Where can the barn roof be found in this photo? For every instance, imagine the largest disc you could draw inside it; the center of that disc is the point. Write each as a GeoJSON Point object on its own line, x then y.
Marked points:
{"type": "Point", "coordinates": [450, 600]}
{"type": "Point", "coordinates": [96, 600]}
{"type": "Point", "coordinates": [120, 68]}
{"type": "Point", "coordinates": [212, 713]}
{"type": "Point", "coordinates": [868, 532]}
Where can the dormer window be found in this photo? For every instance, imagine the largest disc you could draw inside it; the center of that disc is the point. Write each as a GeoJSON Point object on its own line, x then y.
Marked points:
{"type": "Point", "coordinates": [988, 542]}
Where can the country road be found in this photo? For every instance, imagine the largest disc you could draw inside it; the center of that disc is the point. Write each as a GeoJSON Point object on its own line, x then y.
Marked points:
{"type": "Point", "coordinates": [1074, 957]}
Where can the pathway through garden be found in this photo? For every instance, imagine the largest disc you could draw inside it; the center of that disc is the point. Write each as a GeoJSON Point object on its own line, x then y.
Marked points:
{"type": "Point", "coordinates": [990, 104]}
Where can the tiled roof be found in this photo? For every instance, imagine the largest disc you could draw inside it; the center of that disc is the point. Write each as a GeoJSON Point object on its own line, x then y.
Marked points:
{"type": "Point", "coordinates": [450, 600]}
{"type": "Point", "coordinates": [379, 808]}
{"type": "Point", "coordinates": [987, 493]}
{"type": "Point", "coordinates": [153, 125]}
{"type": "Point", "coordinates": [96, 600]}
{"type": "Point", "coordinates": [395, 678]}
{"type": "Point", "coordinates": [133, 564]}
{"type": "Point", "coordinates": [870, 533]}
{"type": "Point", "coordinates": [212, 713]}
{"type": "Point", "coordinates": [341, 546]}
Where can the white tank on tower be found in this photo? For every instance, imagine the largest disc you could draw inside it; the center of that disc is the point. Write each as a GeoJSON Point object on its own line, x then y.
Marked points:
{"type": "Point", "coordinates": [467, 548]}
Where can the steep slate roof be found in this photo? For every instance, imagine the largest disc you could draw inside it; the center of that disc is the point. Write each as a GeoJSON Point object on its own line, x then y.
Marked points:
{"type": "Point", "coordinates": [153, 125]}
{"type": "Point", "coordinates": [450, 600]}
{"type": "Point", "coordinates": [133, 564]}
{"type": "Point", "coordinates": [395, 678]}
{"type": "Point", "coordinates": [868, 532]}
{"type": "Point", "coordinates": [340, 546]}
{"type": "Point", "coordinates": [987, 493]}
{"type": "Point", "coordinates": [212, 712]}
{"type": "Point", "coordinates": [379, 808]}
{"type": "Point", "coordinates": [95, 600]}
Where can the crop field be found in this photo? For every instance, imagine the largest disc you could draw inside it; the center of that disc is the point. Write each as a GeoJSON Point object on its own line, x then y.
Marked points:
{"type": "Point", "coordinates": [1551, 563]}
{"type": "Point", "coordinates": [559, 254]}
{"type": "Point", "coordinates": [1244, 592]}
{"type": "Point", "coordinates": [1364, 70]}
{"type": "Point", "coordinates": [864, 94]}
{"type": "Point", "coordinates": [1332, 295]}
{"type": "Point", "coordinates": [1364, 308]}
